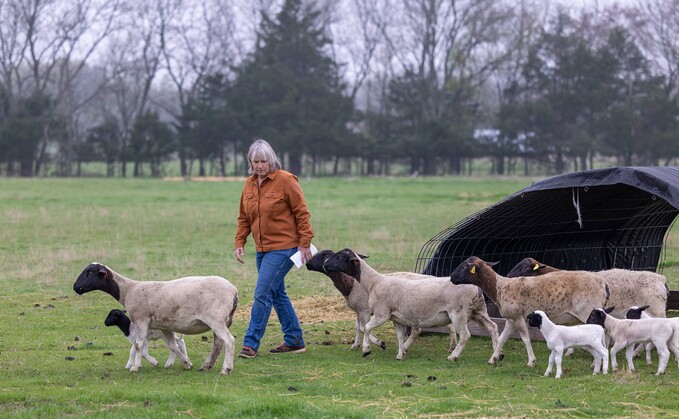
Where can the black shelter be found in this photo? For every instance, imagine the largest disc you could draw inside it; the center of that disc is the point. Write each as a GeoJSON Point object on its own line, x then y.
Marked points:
{"type": "Point", "coordinates": [590, 220]}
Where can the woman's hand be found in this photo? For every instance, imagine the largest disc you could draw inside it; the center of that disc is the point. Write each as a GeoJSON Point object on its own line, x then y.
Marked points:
{"type": "Point", "coordinates": [239, 253]}
{"type": "Point", "coordinates": [306, 253]}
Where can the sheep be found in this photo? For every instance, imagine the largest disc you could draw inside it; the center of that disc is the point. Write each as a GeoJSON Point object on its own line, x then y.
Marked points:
{"type": "Point", "coordinates": [566, 297]}
{"type": "Point", "coordinates": [628, 288]}
{"type": "Point", "coordinates": [627, 332]}
{"type": "Point", "coordinates": [422, 303]}
{"type": "Point", "coordinates": [118, 318]}
{"type": "Point", "coordinates": [591, 337]}
{"type": "Point", "coordinates": [189, 305]}
{"type": "Point", "coordinates": [635, 313]}
{"type": "Point", "coordinates": [356, 299]}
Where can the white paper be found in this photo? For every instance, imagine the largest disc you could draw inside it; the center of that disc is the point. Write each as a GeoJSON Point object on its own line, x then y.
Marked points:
{"type": "Point", "coordinates": [297, 257]}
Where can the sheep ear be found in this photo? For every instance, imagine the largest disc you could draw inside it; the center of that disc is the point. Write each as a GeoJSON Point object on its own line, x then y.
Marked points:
{"type": "Point", "coordinates": [642, 308]}
{"type": "Point", "coordinates": [102, 270]}
{"type": "Point", "coordinates": [609, 310]}
{"type": "Point", "coordinates": [491, 264]}
{"type": "Point", "coordinates": [362, 256]}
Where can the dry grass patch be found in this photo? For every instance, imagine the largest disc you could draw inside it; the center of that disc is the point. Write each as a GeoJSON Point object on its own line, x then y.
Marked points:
{"type": "Point", "coordinates": [311, 310]}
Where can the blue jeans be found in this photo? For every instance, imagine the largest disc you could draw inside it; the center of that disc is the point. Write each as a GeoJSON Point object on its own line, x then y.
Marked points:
{"type": "Point", "coordinates": [270, 292]}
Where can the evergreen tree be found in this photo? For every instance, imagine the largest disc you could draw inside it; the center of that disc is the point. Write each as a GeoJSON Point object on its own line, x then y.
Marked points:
{"type": "Point", "coordinates": [289, 90]}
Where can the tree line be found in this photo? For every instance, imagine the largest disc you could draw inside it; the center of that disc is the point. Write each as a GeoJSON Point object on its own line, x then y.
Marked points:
{"type": "Point", "coordinates": [429, 84]}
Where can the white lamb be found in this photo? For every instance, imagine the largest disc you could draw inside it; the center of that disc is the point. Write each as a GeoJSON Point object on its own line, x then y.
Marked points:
{"type": "Point", "coordinates": [189, 305]}
{"type": "Point", "coordinates": [566, 296]}
{"type": "Point", "coordinates": [422, 303]}
{"type": "Point", "coordinates": [635, 313]}
{"type": "Point", "coordinates": [588, 336]}
{"type": "Point", "coordinates": [627, 333]}
{"type": "Point", "coordinates": [118, 318]}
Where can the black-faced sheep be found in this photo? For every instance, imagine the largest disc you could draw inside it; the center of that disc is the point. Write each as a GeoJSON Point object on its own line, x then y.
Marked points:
{"type": "Point", "coordinates": [628, 288]}
{"type": "Point", "coordinates": [626, 333]}
{"type": "Point", "coordinates": [189, 305]}
{"type": "Point", "coordinates": [118, 318]}
{"type": "Point", "coordinates": [590, 337]}
{"type": "Point", "coordinates": [420, 303]}
{"type": "Point", "coordinates": [566, 297]}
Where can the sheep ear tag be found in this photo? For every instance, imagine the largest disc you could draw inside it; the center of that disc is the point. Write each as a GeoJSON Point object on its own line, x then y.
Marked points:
{"type": "Point", "coordinates": [536, 267]}
{"type": "Point", "coordinates": [473, 269]}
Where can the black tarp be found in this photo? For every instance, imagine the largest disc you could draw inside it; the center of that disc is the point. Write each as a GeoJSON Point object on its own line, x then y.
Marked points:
{"type": "Point", "coordinates": [591, 220]}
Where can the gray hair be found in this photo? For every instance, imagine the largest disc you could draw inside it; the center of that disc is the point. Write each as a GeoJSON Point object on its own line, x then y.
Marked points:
{"type": "Point", "coordinates": [262, 150]}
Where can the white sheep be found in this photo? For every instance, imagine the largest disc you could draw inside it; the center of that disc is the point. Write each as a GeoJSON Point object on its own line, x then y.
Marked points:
{"type": "Point", "coordinates": [189, 305]}
{"type": "Point", "coordinates": [118, 318]}
{"type": "Point", "coordinates": [627, 333]}
{"type": "Point", "coordinates": [588, 336]}
{"type": "Point", "coordinates": [422, 303]}
{"type": "Point", "coordinates": [567, 297]}
{"type": "Point", "coordinates": [356, 299]}
{"type": "Point", "coordinates": [635, 313]}
{"type": "Point", "coordinates": [628, 288]}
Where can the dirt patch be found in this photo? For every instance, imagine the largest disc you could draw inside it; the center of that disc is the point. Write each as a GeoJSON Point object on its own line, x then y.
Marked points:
{"type": "Point", "coordinates": [311, 310]}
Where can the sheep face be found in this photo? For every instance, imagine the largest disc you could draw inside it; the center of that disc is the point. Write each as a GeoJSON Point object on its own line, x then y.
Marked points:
{"type": "Point", "coordinates": [115, 317]}
{"type": "Point", "coordinates": [470, 271]}
{"type": "Point", "coordinates": [635, 312]}
{"type": "Point", "coordinates": [598, 316]}
{"type": "Point", "coordinates": [534, 319]}
{"type": "Point", "coordinates": [527, 267]}
{"type": "Point", "coordinates": [346, 261]}
{"type": "Point", "coordinates": [96, 277]}
{"type": "Point", "coordinates": [317, 261]}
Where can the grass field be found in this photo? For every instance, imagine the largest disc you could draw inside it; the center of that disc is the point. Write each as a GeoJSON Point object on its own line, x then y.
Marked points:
{"type": "Point", "coordinates": [51, 229]}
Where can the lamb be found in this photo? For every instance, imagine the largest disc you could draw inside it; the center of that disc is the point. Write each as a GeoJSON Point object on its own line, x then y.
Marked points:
{"type": "Point", "coordinates": [423, 303]}
{"type": "Point", "coordinates": [628, 288]}
{"type": "Point", "coordinates": [189, 305]}
{"type": "Point", "coordinates": [635, 313]}
{"type": "Point", "coordinates": [356, 299]}
{"type": "Point", "coordinates": [626, 333]}
{"type": "Point", "coordinates": [118, 318]}
{"type": "Point", "coordinates": [566, 297]}
{"type": "Point", "coordinates": [590, 337]}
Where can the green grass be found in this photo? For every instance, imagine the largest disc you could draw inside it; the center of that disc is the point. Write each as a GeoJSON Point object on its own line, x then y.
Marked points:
{"type": "Point", "coordinates": [149, 229]}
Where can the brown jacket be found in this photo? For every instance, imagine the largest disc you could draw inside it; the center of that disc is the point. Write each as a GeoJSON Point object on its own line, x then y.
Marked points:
{"type": "Point", "coordinates": [275, 212]}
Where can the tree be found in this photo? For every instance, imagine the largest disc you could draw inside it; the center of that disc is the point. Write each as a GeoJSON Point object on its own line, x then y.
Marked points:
{"type": "Point", "coordinates": [151, 141]}
{"type": "Point", "coordinates": [289, 90]}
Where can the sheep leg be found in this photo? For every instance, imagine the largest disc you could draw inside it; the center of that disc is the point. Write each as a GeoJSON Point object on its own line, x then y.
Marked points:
{"type": "Point", "coordinates": [145, 354]}
{"type": "Point", "coordinates": [663, 355]}
{"type": "Point", "coordinates": [376, 321]}
{"type": "Point", "coordinates": [211, 359]}
{"type": "Point", "coordinates": [597, 358]}
{"type": "Point", "coordinates": [171, 342]}
{"type": "Point", "coordinates": [400, 333]}
{"type": "Point", "coordinates": [522, 327]}
{"type": "Point", "coordinates": [491, 327]}
{"type": "Point", "coordinates": [414, 334]}
{"type": "Point", "coordinates": [182, 348]}
{"type": "Point", "coordinates": [464, 338]}
{"type": "Point", "coordinates": [361, 320]}
{"type": "Point", "coordinates": [130, 361]}
{"type": "Point", "coordinates": [558, 358]}
{"type": "Point", "coordinates": [504, 336]}
{"type": "Point", "coordinates": [357, 338]}
{"type": "Point", "coordinates": [226, 340]}
{"type": "Point", "coordinates": [550, 364]}
{"type": "Point", "coordinates": [649, 348]}
{"type": "Point", "coordinates": [453, 337]}
{"type": "Point", "coordinates": [614, 351]}
{"type": "Point", "coordinates": [142, 331]}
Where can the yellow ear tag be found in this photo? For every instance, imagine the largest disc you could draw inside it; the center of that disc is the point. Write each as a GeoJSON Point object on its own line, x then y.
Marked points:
{"type": "Point", "coordinates": [535, 268]}
{"type": "Point", "coordinates": [473, 270]}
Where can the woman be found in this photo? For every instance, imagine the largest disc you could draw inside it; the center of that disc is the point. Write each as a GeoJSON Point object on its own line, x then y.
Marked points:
{"type": "Point", "coordinates": [273, 209]}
